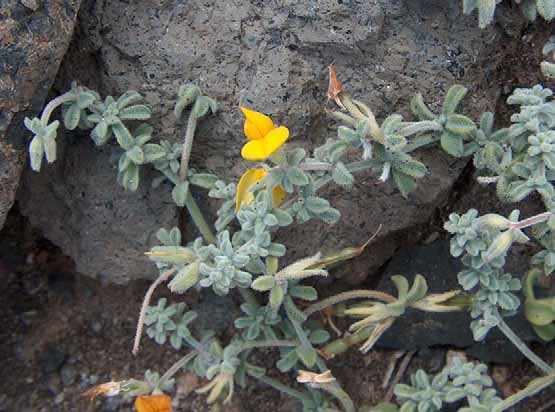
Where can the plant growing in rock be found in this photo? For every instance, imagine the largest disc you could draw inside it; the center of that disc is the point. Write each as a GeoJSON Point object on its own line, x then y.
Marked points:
{"type": "Point", "coordinates": [530, 9]}
{"type": "Point", "coordinates": [239, 253]}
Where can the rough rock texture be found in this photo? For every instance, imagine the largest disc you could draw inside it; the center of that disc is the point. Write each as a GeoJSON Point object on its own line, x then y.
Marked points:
{"type": "Point", "coordinates": [34, 37]}
{"type": "Point", "coordinates": [272, 57]}
{"type": "Point", "coordinates": [422, 330]}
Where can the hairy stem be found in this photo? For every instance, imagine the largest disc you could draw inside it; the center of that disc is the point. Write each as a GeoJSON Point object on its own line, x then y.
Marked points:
{"type": "Point", "coordinates": [522, 347]}
{"type": "Point", "coordinates": [175, 367]}
{"type": "Point", "coordinates": [420, 141]}
{"type": "Point", "coordinates": [187, 146]}
{"type": "Point", "coordinates": [198, 219]}
{"type": "Point", "coordinates": [339, 394]}
{"type": "Point", "coordinates": [531, 221]}
{"type": "Point", "coordinates": [272, 343]}
{"type": "Point", "coordinates": [342, 297]}
{"type": "Point", "coordinates": [53, 104]}
{"type": "Point", "coordinates": [146, 301]}
{"type": "Point", "coordinates": [281, 387]}
{"type": "Point", "coordinates": [534, 387]}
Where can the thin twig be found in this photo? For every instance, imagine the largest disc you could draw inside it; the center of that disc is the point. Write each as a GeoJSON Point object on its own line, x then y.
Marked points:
{"type": "Point", "coordinates": [391, 367]}
{"type": "Point", "coordinates": [146, 301]}
{"type": "Point", "coordinates": [399, 375]}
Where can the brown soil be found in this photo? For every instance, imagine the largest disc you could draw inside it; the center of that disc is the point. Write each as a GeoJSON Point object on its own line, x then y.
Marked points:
{"type": "Point", "coordinates": [55, 320]}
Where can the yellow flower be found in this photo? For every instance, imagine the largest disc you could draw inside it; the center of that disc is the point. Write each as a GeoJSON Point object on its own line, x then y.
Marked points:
{"type": "Point", "coordinates": [264, 138]}
{"type": "Point", "coordinates": [248, 180]}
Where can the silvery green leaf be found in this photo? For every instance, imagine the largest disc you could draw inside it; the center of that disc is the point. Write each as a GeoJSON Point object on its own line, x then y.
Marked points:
{"type": "Point", "coordinates": [404, 182]}
{"type": "Point", "coordinates": [455, 95]}
{"type": "Point", "coordinates": [175, 341]}
{"type": "Point", "coordinates": [127, 98]}
{"type": "Point", "coordinates": [187, 94]}
{"type": "Point", "coordinates": [32, 124]}
{"type": "Point", "coordinates": [100, 133]}
{"type": "Point", "coordinates": [130, 178]}
{"type": "Point", "coordinates": [330, 216]}
{"type": "Point", "coordinates": [341, 175]}
{"type": "Point", "coordinates": [307, 355]}
{"type": "Point", "coordinates": [153, 152]}
{"type": "Point", "coordinates": [546, 8]}
{"type": "Point", "coordinates": [294, 314]}
{"type": "Point", "coordinates": [49, 144]}
{"type": "Point", "coordinates": [276, 296]}
{"type": "Point", "coordinates": [407, 165]}
{"type": "Point", "coordinates": [548, 69]}
{"type": "Point", "coordinates": [174, 236]}
{"type": "Point", "coordinates": [36, 153]}
{"type": "Point", "coordinates": [316, 205]}
{"type": "Point", "coordinates": [297, 176]}
{"type": "Point", "coordinates": [123, 136]}
{"type": "Point", "coordinates": [201, 106]}
{"type": "Point", "coordinates": [420, 109]}
{"type": "Point", "coordinates": [452, 144]}
{"type": "Point", "coordinates": [287, 362]}
{"type": "Point", "coordinates": [72, 116]}
{"type": "Point", "coordinates": [391, 124]}
{"type": "Point", "coordinates": [276, 249]}
{"type": "Point", "coordinates": [295, 156]}
{"type": "Point", "coordinates": [85, 99]}
{"type": "Point", "coordinates": [263, 283]}
{"type": "Point", "coordinates": [347, 134]}
{"type": "Point", "coordinates": [204, 180]}
{"type": "Point", "coordinates": [459, 124]}
{"type": "Point", "coordinates": [283, 217]}
{"type": "Point", "coordinates": [486, 10]}
{"type": "Point", "coordinates": [304, 292]}
{"type": "Point", "coordinates": [124, 162]}
{"type": "Point", "coordinates": [319, 336]}
{"type": "Point", "coordinates": [136, 112]}
{"type": "Point", "coordinates": [180, 193]}
{"type": "Point", "coordinates": [136, 154]}
{"type": "Point", "coordinates": [185, 278]}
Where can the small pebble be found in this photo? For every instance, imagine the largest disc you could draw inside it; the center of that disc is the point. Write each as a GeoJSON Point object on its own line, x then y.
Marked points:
{"type": "Point", "coordinates": [68, 375]}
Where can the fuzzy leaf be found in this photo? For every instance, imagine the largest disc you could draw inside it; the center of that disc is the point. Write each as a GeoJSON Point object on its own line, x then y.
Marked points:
{"type": "Point", "coordinates": [546, 8]}
{"type": "Point", "coordinates": [459, 124]}
{"type": "Point", "coordinates": [137, 112]}
{"type": "Point", "coordinates": [263, 283]}
{"type": "Point", "coordinates": [420, 109]}
{"type": "Point", "coordinates": [454, 96]}
{"type": "Point", "coordinates": [36, 152]}
{"type": "Point", "coordinates": [307, 355]}
{"type": "Point", "coordinates": [136, 154]}
{"type": "Point", "coordinates": [72, 116]}
{"type": "Point", "coordinates": [452, 144]}
{"type": "Point", "coordinates": [180, 193]}
{"type": "Point", "coordinates": [341, 175]}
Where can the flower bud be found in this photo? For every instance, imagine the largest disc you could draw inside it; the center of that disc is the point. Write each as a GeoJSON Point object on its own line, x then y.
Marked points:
{"type": "Point", "coordinates": [499, 246]}
{"type": "Point", "coordinates": [186, 278]}
{"type": "Point", "coordinates": [494, 221]}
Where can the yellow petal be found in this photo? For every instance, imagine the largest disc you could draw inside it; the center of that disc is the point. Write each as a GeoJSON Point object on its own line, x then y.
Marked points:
{"type": "Point", "coordinates": [257, 125]}
{"type": "Point", "coordinates": [263, 148]}
{"type": "Point", "coordinates": [278, 196]}
{"type": "Point", "coordinates": [154, 403]}
{"type": "Point", "coordinates": [249, 178]}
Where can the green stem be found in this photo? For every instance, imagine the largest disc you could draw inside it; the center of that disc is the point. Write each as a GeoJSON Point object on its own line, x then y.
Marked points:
{"type": "Point", "coordinates": [196, 214]}
{"type": "Point", "coordinates": [341, 345]}
{"type": "Point", "coordinates": [272, 343]}
{"type": "Point", "coordinates": [198, 219]}
{"type": "Point", "coordinates": [534, 387]}
{"type": "Point", "coordinates": [420, 141]}
{"type": "Point", "coordinates": [342, 297]}
{"type": "Point", "coordinates": [522, 347]}
{"type": "Point", "coordinates": [340, 395]}
{"type": "Point", "coordinates": [53, 104]}
{"type": "Point", "coordinates": [175, 367]}
{"type": "Point", "coordinates": [187, 146]}
{"type": "Point", "coordinates": [281, 387]}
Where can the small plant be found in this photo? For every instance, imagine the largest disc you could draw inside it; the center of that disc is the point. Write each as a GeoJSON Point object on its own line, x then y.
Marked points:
{"type": "Point", "coordinates": [239, 252]}
{"type": "Point", "coordinates": [530, 9]}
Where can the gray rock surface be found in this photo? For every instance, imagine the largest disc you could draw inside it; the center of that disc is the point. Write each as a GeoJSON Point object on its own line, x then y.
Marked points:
{"type": "Point", "coordinates": [272, 57]}
{"type": "Point", "coordinates": [34, 37]}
